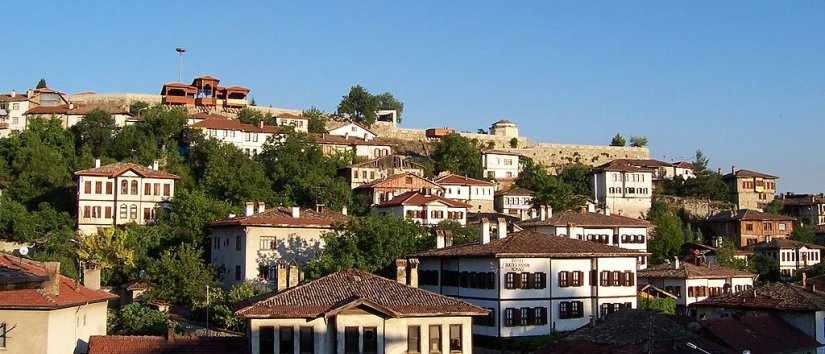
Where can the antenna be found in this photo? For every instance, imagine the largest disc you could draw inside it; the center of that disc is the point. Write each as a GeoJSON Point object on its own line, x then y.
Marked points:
{"type": "Point", "coordinates": [180, 62]}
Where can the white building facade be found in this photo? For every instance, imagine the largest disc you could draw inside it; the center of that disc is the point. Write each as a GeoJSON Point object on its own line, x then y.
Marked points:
{"type": "Point", "coordinates": [500, 165]}
{"type": "Point", "coordinates": [246, 137]}
{"type": "Point", "coordinates": [792, 256]}
{"type": "Point", "coordinates": [428, 210]}
{"type": "Point", "coordinates": [479, 194]}
{"type": "Point", "coordinates": [350, 129]}
{"type": "Point", "coordinates": [121, 193]}
{"type": "Point", "coordinates": [622, 188]}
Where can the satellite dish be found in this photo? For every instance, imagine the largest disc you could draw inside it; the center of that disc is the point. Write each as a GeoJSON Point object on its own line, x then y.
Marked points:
{"type": "Point", "coordinates": [23, 250]}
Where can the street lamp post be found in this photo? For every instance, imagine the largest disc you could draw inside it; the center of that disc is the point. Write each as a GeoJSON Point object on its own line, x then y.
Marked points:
{"type": "Point", "coordinates": [180, 61]}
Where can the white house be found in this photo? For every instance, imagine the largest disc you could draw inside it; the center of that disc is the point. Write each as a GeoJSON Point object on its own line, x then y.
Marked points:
{"type": "Point", "coordinates": [533, 284]}
{"type": "Point", "coordinates": [352, 311]}
{"type": "Point", "coordinates": [382, 190]}
{"type": "Point", "coordinates": [12, 107]}
{"type": "Point", "coordinates": [623, 188]}
{"type": "Point", "coordinates": [350, 128]}
{"type": "Point", "coordinates": [121, 193]}
{"type": "Point", "coordinates": [253, 246]}
{"type": "Point", "coordinates": [246, 137]}
{"type": "Point", "coordinates": [426, 209]}
{"type": "Point", "coordinates": [358, 147]}
{"type": "Point", "coordinates": [516, 201]}
{"type": "Point", "coordinates": [692, 283]}
{"type": "Point", "coordinates": [380, 168]}
{"type": "Point", "coordinates": [613, 230]}
{"type": "Point", "coordinates": [479, 194]}
{"type": "Point", "coordinates": [70, 114]}
{"type": "Point", "coordinates": [500, 165]}
{"type": "Point", "coordinates": [791, 255]}
{"type": "Point", "coordinates": [298, 122]}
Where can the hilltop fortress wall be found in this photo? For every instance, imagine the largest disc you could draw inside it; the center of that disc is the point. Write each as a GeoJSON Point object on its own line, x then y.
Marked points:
{"type": "Point", "coordinates": [125, 99]}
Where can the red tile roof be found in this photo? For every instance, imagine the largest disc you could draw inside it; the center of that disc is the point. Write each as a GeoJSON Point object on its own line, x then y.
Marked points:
{"type": "Point", "coordinates": [394, 161]}
{"type": "Point", "coordinates": [533, 244]}
{"type": "Point", "coordinates": [747, 214]}
{"type": "Point", "coordinates": [119, 168]}
{"type": "Point", "coordinates": [515, 191]}
{"type": "Point", "coordinates": [760, 334]}
{"type": "Point", "coordinates": [587, 219]}
{"type": "Point", "coordinates": [621, 165]}
{"type": "Point", "coordinates": [282, 217]}
{"type": "Point", "coordinates": [288, 115]}
{"type": "Point", "coordinates": [205, 115]}
{"type": "Point", "coordinates": [349, 288]}
{"type": "Point", "coordinates": [781, 242]}
{"type": "Point", "coordinates": [456, 180]}
{"type": "Point", "coordinates": [688, 270]}
{"type": "Point", "coordinates": [77, 109]}
{"type": "Point", "coordinates": [234, 124]}
{"type": "Point", "coordinates": [801, 199]}
{"type": "Point", "coordinates": [18, 277]}
{"type": "Point", "coordinates": [392, 181]}
{"type": "Point", "coordinates": [338, 124]}
{"type": "Point", "coordinates": [775, 296]}
{"type": "Point", "coordinates": [416, 198]}
{"type": "Point", "coordinates": [748, 173]}
{"type": "Point", "coordinates": [177, 345]}
{"type": "Point", "coordinates": [17, 98]}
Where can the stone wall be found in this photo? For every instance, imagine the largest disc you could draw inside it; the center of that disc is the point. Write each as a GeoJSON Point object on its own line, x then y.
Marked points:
{"type": "Point", "coordinates": [697, 207]}
{"type": "Point", "coordinates": [125, 99]}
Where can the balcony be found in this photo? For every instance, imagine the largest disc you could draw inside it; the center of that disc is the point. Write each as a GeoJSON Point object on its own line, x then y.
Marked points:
{"type": "Point", "coordinates": [235, 102]}
{"type": "Point", "coordinates": [178, 100]}
{"type": "Point", "coordinates": [205, 101]}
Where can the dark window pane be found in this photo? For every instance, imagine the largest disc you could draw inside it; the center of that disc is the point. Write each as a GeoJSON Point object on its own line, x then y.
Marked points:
{"type": "Point", "coordinates": [413, 339]}
{"type": "Point", "coordinates": [266, 340]}
{"type": "Point", "coordinates": [351, 339]}
{"type": "Point", "coordinates": [455, 338]}
{"type": "Point", "coordinates": [286, 340]}
{"type": "Point", "coordinates": [307, 340]}
{"type": "Point", "coordinates": [370, 340]}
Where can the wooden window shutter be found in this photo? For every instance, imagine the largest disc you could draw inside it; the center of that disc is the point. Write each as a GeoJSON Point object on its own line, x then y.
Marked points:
{"type": "Point", "coordinates": [690, 291]}
{"type": "Point", "coordinates": [517, 281]}
{"type": "Point", "coordinates": [609, 278]}
{"type": "Point", "coordinates": [531, 282]}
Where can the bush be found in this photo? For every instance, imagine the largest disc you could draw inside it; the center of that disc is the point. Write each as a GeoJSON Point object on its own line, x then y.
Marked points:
{"type": "Point", "coordinates": [665, 305]}
{"type": "Point", "coordinates": [138, 319]}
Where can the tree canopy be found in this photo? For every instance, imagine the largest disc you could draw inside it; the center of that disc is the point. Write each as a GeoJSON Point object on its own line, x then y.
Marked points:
{"type": "Point", "coordinates": [638, 141]}
{"type": "Point", "coordinates": [41, 84]}
{"type": "Point", "coordinates": [618, 140]}
{"type": "Point", "coordinates": [567, 191]}
{"type": "Point", "coordinates": [359, 105]}
{"type": "Point", "coordinates": [458, 155]}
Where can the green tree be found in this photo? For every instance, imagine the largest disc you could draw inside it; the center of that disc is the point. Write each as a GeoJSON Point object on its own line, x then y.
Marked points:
{"type": "Point", "coordinates": [618, 140]}
{"type": "Point", "coordinates": [458, 155]}
{"type": "Point", "coordinates": [514, 143]}
{"type": "Point", "coordinates": [700, 163]}
{"type": "Point", "coordinates": [667, 239]}
{"type": "Point", "coordinates": [226, 173]}
{"type": "Point", "coordinates": [253, 116]}
{"type": "Point", "coordinates": [578, 177]}
{"type": "Point", "coordinates": [359, 104]}
{"type": "Point", "coordinates": [180, 276]}
{"type": "Point", "coordinates": [461, 234]}
{"type": "Point", "coordinates": [726, 256]}
{"type": "Point", "coordinates": [139, 319]}
{"type": "Point", "coordinates": [803, 233]}
{"type": "Point", "coordinates": [96, 130]}
{"type": "Point", "coordinates": [371, 244]}
{"type": "Point", "coordinates": [137, 107]}
{"type": "Point", "coordinates": [190, 214]}
{"type": "Point", "coordinates": [774, 207]}
{"type": "Point", "coordinates": [766, 267]}
{"type": "Point", "coordinates": [638, 141]}
{"type": "Point", "coordinates": [665, 305]}
{"type": "Point", "coordinates": [165, 124]}
{"type": "Point", "coordinates": [109, 251]}
{"type": "Point", "coordinates": [41, 84]}
{"type": "Point", "coordinates": [552, 190]}
{"type": "Point", "coordinates": [386, 101]}
{"type": "Point", "coordinates": [317, 120]}
{"type": "Point", "coordinates": [136, 144]}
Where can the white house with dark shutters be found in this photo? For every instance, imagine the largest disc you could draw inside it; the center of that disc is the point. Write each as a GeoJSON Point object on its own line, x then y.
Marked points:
{"type": "Point", "coordinates": [532, 283]}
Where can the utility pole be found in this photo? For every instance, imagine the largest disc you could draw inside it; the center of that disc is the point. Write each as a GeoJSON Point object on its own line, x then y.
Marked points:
{"type": "Point", "coordinates": [180, 62]}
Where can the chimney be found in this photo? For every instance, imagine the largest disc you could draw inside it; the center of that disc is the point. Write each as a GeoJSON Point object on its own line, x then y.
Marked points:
{"type": "Point", "coordinates": [542, 213]}
{"type": "Point", "coordinates": [485, 231]}
{"type": "Point", "coordinates": [502, 228]}
{"type": "Point", "coordinates": [91, 277]}
{"type": "Point", "coordinates": [260, 124]}
{"type": "Point", "coordinates": [52, 285]}
{"type": "Point", "coordinates": [155, 166]}
{"type": "Point", "coordinates": [344, 210]}
{"type": "Point", "coordinates": [296, 212]}
{"type": "Point", "coordinates": [675, 262]}
{"type": "Point", "coordinates": [401, 271]}
{"type": "Point", "coordinates": [732, 168]}
{"type": "Point", "coordinates": [13, 93]}
{"type": "Point", "coordinates": [97, 163]}
{"type": "Point", "coordinates": [413, 280]}
{"type": "Point", "coordinates": [804, 280]}
{"type": "Point", "coordinates": [282, 276]}
{"type": "Point", "coordinates": [549, 211]}
{"type": "Point", "coordinates": [261, 207]}
{"type": "Point", "coordinates": [533, 213]}
{"type": "Point", "coordinates": [250, 208]}
{"type": "Point", "coordinates": [294, 275]}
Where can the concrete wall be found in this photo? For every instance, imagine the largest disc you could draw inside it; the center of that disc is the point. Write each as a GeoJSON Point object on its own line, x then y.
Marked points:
{"type": "Point", "coordinates": [64, 331]}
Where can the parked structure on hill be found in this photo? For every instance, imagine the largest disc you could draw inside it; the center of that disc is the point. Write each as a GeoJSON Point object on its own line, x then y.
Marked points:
{"type": "Point", "coordinates": [750, 189]}
{"type": "Point", "coordinates": [205, 94]}
{"type": "Point", "coordinates": [623, 188]}
{"type": "Point", "coordinates": [747, 227]}
{"type": "Point", "coordinates": [120, 194]}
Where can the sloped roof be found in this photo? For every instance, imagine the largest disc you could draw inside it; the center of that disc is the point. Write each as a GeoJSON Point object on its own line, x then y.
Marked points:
{"type": "Point", "coordinates": [456, 180]}
{"type": "Point", "coordinates": [395, 160]}
{"type": "Point", "coordinates": [348, 288]}
{"type": "Point", "coordinates": [532, 244]}
{"type": "Point", "coordinates": [118, 168]}
{"type": "Point", "coordinates": [587, 219]}
{"type": "Point", "coordinates": [335, 124]}
{"type": "Point", "coordinates": [282, 217]}
{"type": "Point", "coordinates": [290, 116]}
{"type": "Point", "coordinates": [157, 344]}
{"type": "Point", "coordinates": [621, 165]}
{"type": "Point", "coordinates": [747, 214]}
{"type": "Point", "coordinates": [77, 109]}
{"type": "Point", "coordinates": [416, 198]}
{"type": "Point", "coordinates": [801, 199]}
{"type": "Point", "coordinates": [390, 179]}
{"type": "Point", "coordinates": [16, 98]}
{"type": "Point", "coordinates": [687, 270]}
{"type": "Point", "coordinates": [515, 191]}
{"type": "Point", "coordinates": [781, 242]}
{"type": "Point", "coordinates": [207, 115]}
{"type": "Point", "coordinates": [775, 296]}
{"type": "Point", "coordinates": [330, 139]}
{"type": "Point", "coordinates": [234, 124]}
{"type": "Point", "coordinates": [749, 173]}
{"type": "Point", "coordinates": [15, 270]}
{"type": "Point", "coordinates": [760, 334]}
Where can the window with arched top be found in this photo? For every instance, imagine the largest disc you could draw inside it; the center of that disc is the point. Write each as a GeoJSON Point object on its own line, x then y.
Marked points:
{"type": "Point", "coordinates": [123, 210]}
{"type": "Point", "coordinates": [135, 187]}
{"type": "Point", "coordinates": [133, 211]}
{"type": "Point", "coordinates": [124, 187]}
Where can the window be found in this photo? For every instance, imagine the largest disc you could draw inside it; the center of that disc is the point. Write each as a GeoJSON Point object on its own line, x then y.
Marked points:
{"type": "Point", "coordinates": [123, 211]}
{"type": "Point", "coordinates": [135, 187]}
{"type": "Point", "coordinates": [563, 279]}
{"type": "Point", "coordinates": [147, 213]}
{"type": "Point", "coordinates": [576, 309]}
{"type": "Point", "coordinates": [124, 187]}
{"type": "Point", "coordinates": [167, 190]}
{"type": "Point", "coordinates": [268, 243]}
{"type": "Point", "coordinates": [628, 278]}
{"type": "Point", "coordinates": [156, 188]}
{"type": "Point", "coordinates": [108, 187]}
{"type": "Point", "coordinates": [509, 281]}
{"type": "Point", "coordinates": [615, 280]}
{"type": "Point", "coordinates": [108, 212]}
{"type": "Point", "coordinates": [87, 187]}
{"type": "Point", "coordinates": [522, 282]}
{"type": "Point", "coordinates": [781, 226]}
{"type": "Point", "coordinates": [526, 316]}
{"type": "Point", "coordinates": [564, 310]}
{"type": "Point", "coordinates": [99, 187]}
{"type": "Point", "coordinates": [604, 278]}
{"type": "Point", "coordinates": [238, 243]}
{"type": "Point", "coordinates": [539, 280]}
{"type": "Point", "coordinates": [577, 278]}
{"type": "Point", "coordinates": [351, 339]}
{"type": "Point", "coordinates": [748, 227]}
{"type": "Point", "coordinates": [540, 315]}
{"type": "Point", "coordinates": [414, 339]}
{"type": "Point", "coordinates": [370, 340]}
{"type": "Point", "coordinates": [87, 211]}
{"type": "Point", "coordinates": [266, 340]}
{"type": "Point", "coordinates": [147, 189]}
{"type": "Point", "coordinates": [237, 272]}
{"type": "Point", "coordinates": [509, 317]}
{"type": "Point", "coordinates": [603, 310]}
{"type": "Point", "coordinates": [286, 341]}
{"type": "Point", "coordinates": [435, 339]}
{"type": "Point", "coordinates": [133, 211]}
{"type": "Point", "coordinates": [307, 340]}
{"type": "Point", "coordinates": [455, 338]}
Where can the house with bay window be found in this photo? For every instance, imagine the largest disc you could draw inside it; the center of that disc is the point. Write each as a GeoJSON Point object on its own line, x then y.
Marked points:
{"type": "Point", "coordinates": [533, 284]}
{"type": "Point", "coordinates": [121, 193]}
{"type": "Point", "coordinates": [352, 311]}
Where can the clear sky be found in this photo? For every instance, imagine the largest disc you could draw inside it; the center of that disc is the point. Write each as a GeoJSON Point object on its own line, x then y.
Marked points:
{"type": "Point", "coordinates": [742, 80]}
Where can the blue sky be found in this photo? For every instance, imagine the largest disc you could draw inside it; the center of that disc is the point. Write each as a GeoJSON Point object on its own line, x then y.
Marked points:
{"type": "Point", "coordinates": [742, 80]}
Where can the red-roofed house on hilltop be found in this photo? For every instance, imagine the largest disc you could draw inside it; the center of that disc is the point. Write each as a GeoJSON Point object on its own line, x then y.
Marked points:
{"type": "Point", "coordinates": [352, 311]}
{"type": "Point", "coordinates": [750, 189]}
{"type": "Point", "coordinates": [532, 283]}
{"type": "Point", "coordinates": [747, 227]}
{"type": "Point", "coordinates": [426, 209]}
{"type": "Point", "coordinates": [258, 244]}
{"type": "Point", "coordinates": [246, 137]}
{"type": "Point", "coordinates": [42, 311]}
{"type": "Point", "coordinates": [380, 168]}
{"type": "Point", "coordinates": [623, 188]}
{"type": "Point", "coordinates": [121, 193]}
{"type": "Point", "coordinates": [384, 189]}
{"type": "Point", "coordinates": [479, 194]}
{"type": "Point", "coordinates": [205, 94]}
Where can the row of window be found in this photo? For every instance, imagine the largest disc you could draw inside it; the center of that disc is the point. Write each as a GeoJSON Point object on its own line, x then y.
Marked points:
{"type": "Point", "coordinates": [474, 280]}
{"type": "Point", "coordinates": [126, 212]}
{"type": "Point", "coordinates": [525, 316]}
{"type": "Point", "coordinates": [435, 214]}
{"type": "Point", "coordinates": [414, 344]}
{"type": "Point", "coordinates": [148, 188]}
{"type": "Point", "coordinates": [629, 190]}
{"type": "Point", "coordinates": [629, 177]}
{"type": "Point", "coordinates": [605, 238]}
{"type": "Point", "coordinates": [216, 242]}
{"type": "Point", "coordinates": [752, 185]}
{"type": "Point", "coordinates": [215, 133]}
{"type": "Point", "coordinates": [525, 280]}
{"type": "Point", "coordinates": [518, 200]}
{"type": "Point", "coordinates": [286, 340]}
{"type": "Point", "coordinates": [357, 340]}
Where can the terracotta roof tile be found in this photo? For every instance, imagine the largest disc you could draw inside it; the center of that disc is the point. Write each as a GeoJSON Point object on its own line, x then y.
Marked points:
{"type": "Point", "coordinates": [759, 334]}
{"type": "Point", "coordinates": [781, 242]}
{"type": "Point", "coordinates": [392, 181]}
{"type": "Point", "coordinates": [17, 98]}
{"type": "Point", "coordinates": [776, 296]}
{"type": "Point", "coordinates": [282, 217]}
{"type": "Point", "coordinates": [515, 191]}
{"type": "Point", "coordinates": [621, 165]}
{"type": "Point", "coordinates": [353, 287]}
{"type": "Point", "coordinates": [395, 161]}
{"type": "Point", "coordinates": [416, 198]}
{"type": "Point", "coordinates": [688, 270]}
{"type": "Point", "coordinates": [155, 344]}
{"type": "Point", "coordinates": [801, 199]}
{"type": "Point", "coordinates": [118, 168]}
{"type": "Point", "coordinates": [587, 219]}
{"type": "Point", "coordinates": [456, 180]}
{"type": "Point", "coordinates": [532, 244]}
{"type": "Point", "coordinates": [351, 140]}
{"type": "Point", "coordinates": [749, 173]}
{"type": "Point", "coordinates": [77, 109]}
{"type": "Point", "coordinates": [747, 214]}
{"type": "Point", "coordinates": [19, 271]}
